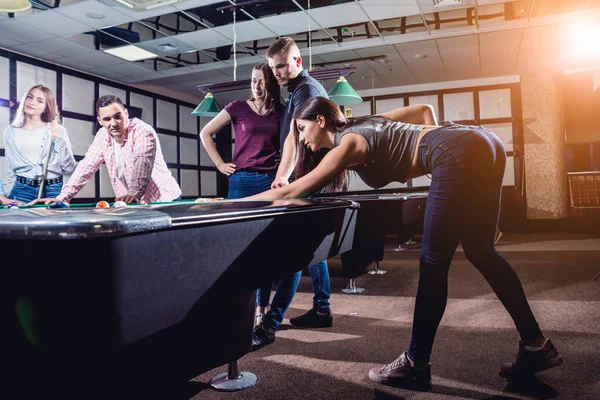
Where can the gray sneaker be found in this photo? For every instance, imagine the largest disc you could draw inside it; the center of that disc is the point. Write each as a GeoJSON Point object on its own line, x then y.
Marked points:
{"type": "Point", "coordinates": [400, 373]}
{"type": "Point", "coordinates": [530, 362]}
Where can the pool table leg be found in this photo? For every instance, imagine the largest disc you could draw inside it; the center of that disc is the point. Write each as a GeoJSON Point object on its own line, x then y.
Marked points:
{"type": "Point", "coordinates": [234, 379]}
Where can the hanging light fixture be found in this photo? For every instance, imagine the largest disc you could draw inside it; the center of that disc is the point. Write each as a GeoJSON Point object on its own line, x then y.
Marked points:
{"type": "Point", "coordinates": [343, 94]}
{"type": "Point", "coordinates": [208, 107]}
{"type": "Point", "coordinates": [13, 6]}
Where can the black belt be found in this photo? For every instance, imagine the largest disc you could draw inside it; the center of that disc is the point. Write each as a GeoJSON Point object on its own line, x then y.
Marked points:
{"type": "Point", "coordinates": [38, 182]}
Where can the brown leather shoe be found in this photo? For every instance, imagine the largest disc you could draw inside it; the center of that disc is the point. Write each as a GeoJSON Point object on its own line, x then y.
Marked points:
{"type": "Point", "coordinates": [400, 373]}
{"type": "Point", "coordinates": [529, 362]}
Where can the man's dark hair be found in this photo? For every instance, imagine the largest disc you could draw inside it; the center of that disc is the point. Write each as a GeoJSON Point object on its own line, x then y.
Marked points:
{"type": "Point", "coordinates": [107, 101]}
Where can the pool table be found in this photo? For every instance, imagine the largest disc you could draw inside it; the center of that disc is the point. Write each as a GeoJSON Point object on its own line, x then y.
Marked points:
{"type": "Point", "coordinates": [148, 295]}
{"type": "Point", "coordinates": [379, 213]}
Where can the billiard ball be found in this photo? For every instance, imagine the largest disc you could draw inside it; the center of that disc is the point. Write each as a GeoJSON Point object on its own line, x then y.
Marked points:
{"type": "Point", "coordinates": [120, 204]}
{"type": "Point", "coordinates": [58, 204]}
{"type": "Point", "coordinates": [13, 205]}
{"type": "Point", "coordinates": [102, 204]}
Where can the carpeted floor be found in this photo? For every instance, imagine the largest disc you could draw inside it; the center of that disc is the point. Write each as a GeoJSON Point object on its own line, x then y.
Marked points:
{"type": "Point", "coordinates": [476, 334]}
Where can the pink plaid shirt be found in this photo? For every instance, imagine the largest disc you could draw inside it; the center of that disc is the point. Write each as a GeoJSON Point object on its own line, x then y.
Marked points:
{"type": "Point", "coordinates": [145, 170]}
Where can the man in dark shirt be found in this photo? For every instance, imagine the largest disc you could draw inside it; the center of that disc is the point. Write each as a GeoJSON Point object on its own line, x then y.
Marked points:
{"type": "Point", "coordinates": [285, 61]}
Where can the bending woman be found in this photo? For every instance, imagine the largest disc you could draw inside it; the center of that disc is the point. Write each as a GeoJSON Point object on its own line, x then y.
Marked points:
{"type": "Point", "coordinates": [462, 160]}
{"type": "Point", "coordinates": [256, 129]}
{"type": "Point", "coordinates": [34, 135]}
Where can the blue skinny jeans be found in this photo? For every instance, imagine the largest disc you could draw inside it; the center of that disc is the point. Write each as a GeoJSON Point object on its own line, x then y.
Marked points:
{"type": "Point", "coordinates": [466, 164]}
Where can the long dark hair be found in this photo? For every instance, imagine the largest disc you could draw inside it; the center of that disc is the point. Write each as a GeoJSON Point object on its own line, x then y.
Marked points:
{"type": "Point", "coordinates": [307, 159]}
{"type": "Point", "coordinates": [273, 98]}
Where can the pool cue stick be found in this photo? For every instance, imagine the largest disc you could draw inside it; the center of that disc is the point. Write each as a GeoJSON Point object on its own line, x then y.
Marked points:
{"type": "Point", "coordinates": [39, 196]}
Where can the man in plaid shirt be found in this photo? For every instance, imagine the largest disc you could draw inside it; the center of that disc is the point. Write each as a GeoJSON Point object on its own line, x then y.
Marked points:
{"type": "Point", "coordinates": [131, 151]}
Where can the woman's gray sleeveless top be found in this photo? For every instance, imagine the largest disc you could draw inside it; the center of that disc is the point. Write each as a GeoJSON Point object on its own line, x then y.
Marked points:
{"type": "Point", "coordinates": [391, 148]}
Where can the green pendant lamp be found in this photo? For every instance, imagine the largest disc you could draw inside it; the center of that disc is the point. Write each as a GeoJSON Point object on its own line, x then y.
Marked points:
{"type": "Point", "coordinates": [208, 107]}
{"type": "Point", "coordinates": [342, 94]}
{"type": "Point", "coordinates": [13, 6]}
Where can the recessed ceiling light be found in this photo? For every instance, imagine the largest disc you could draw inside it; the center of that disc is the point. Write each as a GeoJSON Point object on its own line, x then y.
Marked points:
{"type": "Point", "coordinates": [95, 15]}
{"type": "Point", "coordinates": [420, 56]}
{"type": "Point", "coordinates": [130, 53]}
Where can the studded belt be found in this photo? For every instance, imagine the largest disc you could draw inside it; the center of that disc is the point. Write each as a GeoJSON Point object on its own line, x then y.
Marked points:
{"type": "Point", "coordinates": [38, 182]}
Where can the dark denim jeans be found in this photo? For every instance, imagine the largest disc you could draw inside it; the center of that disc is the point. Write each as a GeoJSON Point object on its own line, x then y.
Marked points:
{"type": "Point", "coordinates": [466, 164]}
{"type": "Point", "coordinates": [26, 193]}
{"type": "Point", "coordinates": [287, 287]}
{"type": "Point", "coordinates": [248, 183]}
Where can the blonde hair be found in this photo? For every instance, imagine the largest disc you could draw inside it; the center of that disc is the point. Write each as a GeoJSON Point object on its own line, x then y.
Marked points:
{"type": "Point", "coordinates": [49, 114]}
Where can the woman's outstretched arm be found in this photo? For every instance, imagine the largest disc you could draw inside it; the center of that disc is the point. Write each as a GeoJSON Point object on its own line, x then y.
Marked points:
{"type": "Point", "coordinates": [351, 151]}
{"type": "Point", "coordinates": [418, 114]}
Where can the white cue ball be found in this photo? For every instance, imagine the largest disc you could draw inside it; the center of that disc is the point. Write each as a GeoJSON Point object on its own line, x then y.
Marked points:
{"type": "Point", "coordinates": [119, 204]}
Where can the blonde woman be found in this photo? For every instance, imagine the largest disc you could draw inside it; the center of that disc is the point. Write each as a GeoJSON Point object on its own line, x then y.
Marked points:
{"type": "Point", "coordinates": [38, 149]}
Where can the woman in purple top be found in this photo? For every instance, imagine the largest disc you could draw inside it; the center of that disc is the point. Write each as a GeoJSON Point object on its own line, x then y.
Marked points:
{"type": "Point", "coordinates": [256, 129]}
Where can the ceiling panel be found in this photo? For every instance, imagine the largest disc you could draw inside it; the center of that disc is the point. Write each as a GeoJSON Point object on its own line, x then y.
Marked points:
{"type": "Point", "coordinates": [81, 12]}
{"type": "Point", "coordinates": [423, 69]}
{"type": "Point", "coordinates": [98, 59]}
{"type": "Point", "coordinates": [338, 15]}
{"type": "Point", "coordinates": [59, 45]}
{"type": "Point", "coordinates": [245, 31]}
{"type": "Point", "coordinates": [499, 63]}
{"type": "Point", "coordinates": [204, 39]}
{"type": "Point", "coordinates": [148, 77]}
{"type": "Point", "coordinates": [14, 30]}
{"type": "Point", "coordinates": [296, 22]}
{"type": "Point", "coordinates": [6, 42]}
{"type": "Point", "coordinates": [30, 50]}
{"type": "Point", "coordinates": [460, 56]}
{"type": "Point", "coordinates": [129, 69]}
{"type": "Point", "coordinates": [53, 22]}
{"type": "Point", "coordinates": [105, 73]}
{"type": "Point", "coordinates": [76, 64]}
{"type": "Point", "coordinates": [386, 9]}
